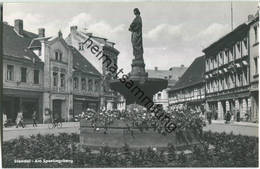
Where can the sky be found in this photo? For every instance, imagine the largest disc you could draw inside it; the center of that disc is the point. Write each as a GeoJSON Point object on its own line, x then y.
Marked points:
{"type": "Point", "coordinates": [174, 33]}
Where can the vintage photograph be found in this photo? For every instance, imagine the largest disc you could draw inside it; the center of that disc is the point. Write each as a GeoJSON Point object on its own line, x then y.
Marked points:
{"type": "Point", "coordinates": [129, 84]}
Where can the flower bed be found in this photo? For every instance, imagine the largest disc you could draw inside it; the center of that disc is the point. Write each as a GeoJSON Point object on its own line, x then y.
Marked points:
{"type": "Point", "coordinates": [214, 150]}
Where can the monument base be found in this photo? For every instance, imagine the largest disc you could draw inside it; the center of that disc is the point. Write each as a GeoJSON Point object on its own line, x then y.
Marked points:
{"type": "Point", "coordinates": [120, 133]}
{"type": "Point", "coordinates": [138, 69]}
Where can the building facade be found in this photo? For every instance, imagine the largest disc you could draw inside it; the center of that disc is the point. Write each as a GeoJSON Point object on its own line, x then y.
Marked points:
{"type": "Point", "coordinates": [254, 60]}
{"type": "Point", "coordinates": [172, 75]}
{"type": "Point", "coordinates": [46, 75]}
{"type": "Point", "coordinates": [22, 73]}
{"type": "Point", "coordinates": [190, 88]}
{"type": "Point", "coordinates": [83, 42]}
{"type": "Point", "coordinates": [227, 74]}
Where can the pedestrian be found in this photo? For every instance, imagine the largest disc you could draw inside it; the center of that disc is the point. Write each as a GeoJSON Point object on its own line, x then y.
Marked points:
{"type": "Point", "coordinates": [4, 120]}
{"type": "Point", "coordinates": [227, 117]}
{"type": "Point", "coordinates": [238, 116]}
{"type": "Point", "coordinates": [209, 116]}
{"type": "Point", "coordinates": [19, 119]}
{"type": "Point", "coordinates": [34, 118]}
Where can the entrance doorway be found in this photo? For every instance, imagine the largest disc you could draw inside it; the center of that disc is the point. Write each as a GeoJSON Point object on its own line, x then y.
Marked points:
{"type": "Point", "coordinates": [57, 109]}
{"type": "Point", "coordinates": [28, 107]}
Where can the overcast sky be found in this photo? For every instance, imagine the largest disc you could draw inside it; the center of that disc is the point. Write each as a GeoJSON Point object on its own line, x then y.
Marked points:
{"type": "Point", "coordinates": [174, 33]}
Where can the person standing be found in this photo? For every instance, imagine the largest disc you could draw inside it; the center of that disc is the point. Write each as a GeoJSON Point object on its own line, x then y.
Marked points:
{"type": "Point", "coordinates": [34, 118]}
{"type": "Point", "coordinates": [228, 117]}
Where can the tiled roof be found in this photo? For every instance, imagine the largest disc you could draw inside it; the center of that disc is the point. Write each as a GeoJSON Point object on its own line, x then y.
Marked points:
{"type": "Point", "coordinates": [228, 38]}
{"type": "Point", "coordinates": [16, 45]}
{"type": "Point", "coordinates": [172, 75]}
{"type": "Point", "coordinates": [175, 73]}
{"type": "Point", "coordinates": [82, 64]}
{"type": "Point", "coordinates": [193, 75]}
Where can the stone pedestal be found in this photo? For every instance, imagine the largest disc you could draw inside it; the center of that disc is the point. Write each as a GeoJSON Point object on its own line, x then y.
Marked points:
{"type": "Point", "coordinates": [138, 69]}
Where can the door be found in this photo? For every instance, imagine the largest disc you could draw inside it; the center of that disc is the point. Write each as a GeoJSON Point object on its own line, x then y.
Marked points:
{"type": "Point", "coordinates": [57, 109]}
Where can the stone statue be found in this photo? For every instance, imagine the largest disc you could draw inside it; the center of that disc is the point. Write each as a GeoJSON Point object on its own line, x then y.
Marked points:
{"type": "Point", "coordinates": [136, 38]}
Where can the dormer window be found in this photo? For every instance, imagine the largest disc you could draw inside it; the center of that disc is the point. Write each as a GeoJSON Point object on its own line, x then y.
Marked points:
{"type": "Point", "coordinates": [58, 56]}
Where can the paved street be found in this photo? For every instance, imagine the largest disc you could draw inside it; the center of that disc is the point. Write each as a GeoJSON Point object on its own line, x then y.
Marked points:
{"type": "Point", "coordinates": [237, 128]}
{"type": "Point", "coordinates": [12, 132]}
{"type": "Point", "coordinates": [73, 127]}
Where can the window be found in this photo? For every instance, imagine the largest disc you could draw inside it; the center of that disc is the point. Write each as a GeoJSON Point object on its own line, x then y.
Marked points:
{"type": "Point", "coordinates": [58, 56]}
{"type": "Point", "coordinates": [10, 72]}
{"type": "Point", "coordinates": [36, 76]}
{"type": "Point", "coordinates": [159, 96]}
{"type": "Point", "coordinates": [256, 65]}
{"type": "Point", "coordinates": [239, 79]}
{"type": "Point", "coordinates": [221, 58]}
{"type": "Point", "coordinates": [75, 83]}
{"type": "Point", "coordinates": [83, 84]}
{"type": "Point", "coordinates": [255, 30]}
{"type": "Point", "coordinates": [90, 85]}
{"type": "Point", "coordinates": [238, 51]}
{"type": "Point", "coordinates": [62, 80]}
{"type": "Point", "coordinates": [231, 55]}
{"type": "Point", "coordinates": [23, 74]}
{"type": "Point", "coordinates": [81, 46]}
{"type": "Point", "coordinates": [55, 79]}
{"type": "Point", "coordinates": [97, 87]}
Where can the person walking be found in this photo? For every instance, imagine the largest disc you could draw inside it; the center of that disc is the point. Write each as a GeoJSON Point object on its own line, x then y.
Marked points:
{"type": "Point", "coordinates": [209, 116]}
{"type": "Point", "coordinates": [4, 120]}
{"type": "Point", "coordinates": [34, 118]}
{"type": "Point", "coordinates": [19, 119]}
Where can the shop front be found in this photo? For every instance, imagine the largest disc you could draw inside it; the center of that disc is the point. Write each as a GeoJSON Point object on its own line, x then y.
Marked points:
{"type": "Point", "coordinates": [83, 103]}
{"type": "Point", "coordinates": [15, 101]}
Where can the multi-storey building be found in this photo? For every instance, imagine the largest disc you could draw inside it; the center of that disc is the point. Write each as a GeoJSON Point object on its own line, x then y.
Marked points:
{"type": "Point", "coordinates": [189, 89]}
{"type": "Point", "coordinates": [254, 60]}
{"type": "Point", "coordinates": [22, 72]}
{"type": "Point", "coordinates": [45, 75]}
{"type": "Point", "coordinates": [83, 41]}
{"type": "Point", "coordinates": [227, 74]}
{"type": "Point", "coordinates": [172, 75]}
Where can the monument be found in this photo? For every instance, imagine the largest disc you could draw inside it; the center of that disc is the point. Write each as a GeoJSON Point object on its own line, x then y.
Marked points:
{"type": "Point", "coordinates": [149, 86]}
{"type": "Point", "coordinates": [123, 131]}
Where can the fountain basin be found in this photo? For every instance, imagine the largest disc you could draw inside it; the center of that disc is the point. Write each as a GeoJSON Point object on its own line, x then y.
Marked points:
{"type": "Point", "coordinates": [148, 87]}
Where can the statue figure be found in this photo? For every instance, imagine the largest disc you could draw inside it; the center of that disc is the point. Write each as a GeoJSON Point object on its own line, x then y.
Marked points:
{"type": "Point", "coordinates": [136, 38]}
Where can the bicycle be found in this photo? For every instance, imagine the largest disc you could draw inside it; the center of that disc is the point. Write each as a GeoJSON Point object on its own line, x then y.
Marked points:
{"type": "Point", "coordinates": [55, 124]}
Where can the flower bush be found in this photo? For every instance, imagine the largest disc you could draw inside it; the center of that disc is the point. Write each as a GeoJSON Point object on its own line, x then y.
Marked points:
{"type": "Point", "coordinates": [214, 150]}
{"type": "Point", "coordinates": [143, 120]}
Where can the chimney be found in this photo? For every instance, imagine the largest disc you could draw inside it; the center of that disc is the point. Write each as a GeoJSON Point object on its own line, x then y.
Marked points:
{"type": "Point", "coordinates": [60, 34]}
{"type": "Point", "coordinates": [73, 28]}
{"type": "Point", "coordinates": [250, 18]}
{"type": "Point", "coordinates": [18, 26]}
{"type": "Point", "coordinates": [156, 68]}
{"type": "Point", "coordinates": [41, 32]}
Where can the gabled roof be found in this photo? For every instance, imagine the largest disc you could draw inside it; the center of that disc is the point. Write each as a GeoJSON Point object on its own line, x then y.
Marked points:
{"type": "Point", "coordinates": [193, 75]}
{"type": "Point", "coordinates": [17, 45]}
{"type": "Point", "coordinates": [80, 63]}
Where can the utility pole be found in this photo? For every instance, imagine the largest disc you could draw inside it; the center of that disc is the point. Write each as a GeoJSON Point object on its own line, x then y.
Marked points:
{"type": "Point", "coordinates": [231, 16]}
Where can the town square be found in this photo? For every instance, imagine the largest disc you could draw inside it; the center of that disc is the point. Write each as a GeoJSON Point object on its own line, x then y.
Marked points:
{"type": "Point", "coordinates": [120, 84]}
